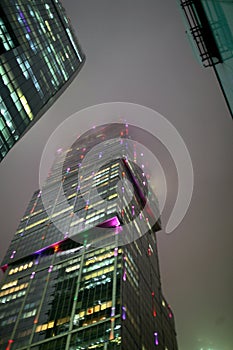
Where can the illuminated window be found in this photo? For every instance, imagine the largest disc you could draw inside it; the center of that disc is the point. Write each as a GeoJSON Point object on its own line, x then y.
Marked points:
{"type": "Point", "coordinates": [29, 313]}
{"type": "Point", "coordinates": [20, 268]}
{"type": "Point", "coordinates": [10, 284]}
{"type": "Point", "coordinates": [7, 38]}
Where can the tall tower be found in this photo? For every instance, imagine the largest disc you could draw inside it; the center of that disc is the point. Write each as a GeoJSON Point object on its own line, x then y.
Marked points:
{"type": "Point", "coordinates": [84, 273]}
{"type": "Point", "coordinates": [39, 57]}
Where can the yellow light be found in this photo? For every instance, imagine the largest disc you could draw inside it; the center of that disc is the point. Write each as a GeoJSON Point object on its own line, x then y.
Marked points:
{"type": "Point", "coordinates": [10, 284]}
{"type": "Point", "coordinates": [26, 106]}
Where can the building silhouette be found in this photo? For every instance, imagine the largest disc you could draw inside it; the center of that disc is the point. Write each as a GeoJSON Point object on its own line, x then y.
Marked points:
{"type": "Point", "coordinates": [210, 29]}
{"type": "Point", "coordinates": [84, 272]}
{"type": "Point", "coordinates": [39, 57]}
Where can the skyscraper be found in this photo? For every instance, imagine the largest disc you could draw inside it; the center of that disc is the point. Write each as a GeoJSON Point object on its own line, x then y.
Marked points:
{"type": "Point", "coordinates": [82, 270]}
{"type": "Point", "coordinates": [210, 29]}
{"type": "Point", "coordinates": [39, 57]}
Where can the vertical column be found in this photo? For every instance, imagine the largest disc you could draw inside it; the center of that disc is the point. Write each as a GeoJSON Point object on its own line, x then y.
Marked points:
{"type": "Point", "coordinates": [75, 299]}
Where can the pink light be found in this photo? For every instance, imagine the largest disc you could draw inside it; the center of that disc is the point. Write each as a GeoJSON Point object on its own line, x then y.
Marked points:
{"type": "Point", "coordinates": [13, 254]}
{"type": "Point", "coordinates": [123, 313]}
{"type": "Point", "coordinates": [156, 338]}
{"type": "Point", "coordinates": [115, 251]}
{"type": "Point", "coordinates": [112, 222]}
{"type": "Point", "coordinates": [50, 268]}
{"type": "Point", "coordinates": [32, 275]}
{"type": "Point", "coordinates": [113, 311]}
{"type": "Point", "coordinates": [124, 275]}
{"type": "Point", "coordinates": [133, 212]}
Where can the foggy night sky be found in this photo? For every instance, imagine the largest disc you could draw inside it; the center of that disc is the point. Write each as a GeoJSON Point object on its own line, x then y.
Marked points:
{"type": "Point", "coordinates": [137, 51]}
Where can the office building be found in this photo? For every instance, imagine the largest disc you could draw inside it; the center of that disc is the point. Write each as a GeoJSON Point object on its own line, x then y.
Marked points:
{"type": "Point", "coordinates": [84, 273]}
{"type": "Point", "coordinates": [210, 29]}
{"type": "Point", "coordinates": [39, 57]}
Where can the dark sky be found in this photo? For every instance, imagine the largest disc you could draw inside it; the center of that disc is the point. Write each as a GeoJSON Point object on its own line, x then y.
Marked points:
{"type": "Point", "coordinates": [137, 51]}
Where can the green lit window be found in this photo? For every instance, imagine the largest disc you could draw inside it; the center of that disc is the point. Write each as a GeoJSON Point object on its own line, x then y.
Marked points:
{"type": "Point", "coordinates": [7, 38]}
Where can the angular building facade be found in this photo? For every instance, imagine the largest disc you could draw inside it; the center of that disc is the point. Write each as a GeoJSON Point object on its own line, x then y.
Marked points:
{"type": "Point", "coordinates": [39, 57]}
{"type": "Point", "coordinates": [210, 29]}
{"type": "Point", "coordinates": [84, 273]}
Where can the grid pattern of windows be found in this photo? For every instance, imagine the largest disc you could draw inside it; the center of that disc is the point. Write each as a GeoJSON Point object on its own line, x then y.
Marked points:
{"type": "Point", "coordinates": [60, 293]}
{"type": "Point", "coordinates": [39, 55]}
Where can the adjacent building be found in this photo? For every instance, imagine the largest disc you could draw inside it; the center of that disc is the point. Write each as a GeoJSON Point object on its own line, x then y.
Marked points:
{"type": "Point", "coordinates": [39, 57]}
{"type": "Point", "coordinates": [84, 273]}
{"type": "Point", "coordinates": [210, 29]}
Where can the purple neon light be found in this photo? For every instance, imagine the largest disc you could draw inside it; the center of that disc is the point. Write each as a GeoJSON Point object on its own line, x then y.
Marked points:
{"type": "Point", "coordinates": [112, 222]}
{"type": "Point", "coordinates": [156, 338]}
{"type": "Point", "coordinates": [113, 311]}
{"type": "Point", "coordinates": [115, 251]}
{"type": "Point", "coordinates": [124, 275]}
{"type": "Point", "coordinates": [123, 313]}
{"type": "Point", "coordinates": [49, 246]}
{"type": "Point", "coordinates": [24, 21]}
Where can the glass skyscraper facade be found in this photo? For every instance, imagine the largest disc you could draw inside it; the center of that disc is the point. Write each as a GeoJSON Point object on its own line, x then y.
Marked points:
{"type": "Point", "coordinates": [74, 276]}
{"type": "Point", "coordinates": [210, 28]}
{"type": "Point", "coordinates": [39, 57]}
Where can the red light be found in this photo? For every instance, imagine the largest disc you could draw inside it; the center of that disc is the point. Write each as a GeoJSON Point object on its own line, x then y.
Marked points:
{"type": "Point", "coordinates": [56, 247]}
{"type": "Point", "coordinates": [4, 268]}
{"type": "Point", "coordinates": [9, 344]}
